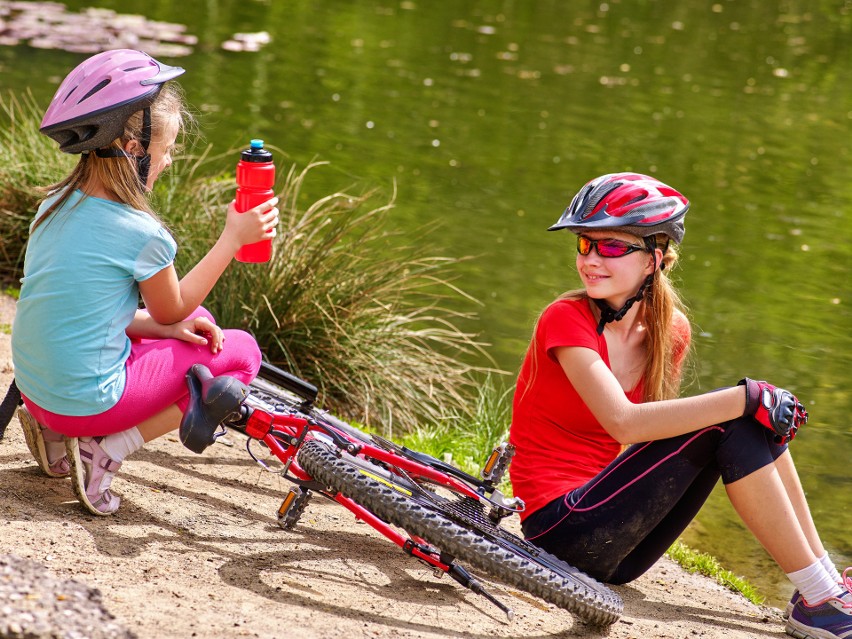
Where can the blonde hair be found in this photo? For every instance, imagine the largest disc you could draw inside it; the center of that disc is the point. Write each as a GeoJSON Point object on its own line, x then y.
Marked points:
{"type": "Point", "coordinates": [662, 372]}
{"type": "Point", "coordinates": [663, 343]}
{"type": "Point", "coordinates": [119, 175]}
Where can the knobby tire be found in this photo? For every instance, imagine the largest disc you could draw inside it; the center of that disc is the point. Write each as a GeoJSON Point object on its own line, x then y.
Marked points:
{"type": "Point", "coordinates": [570, 589]}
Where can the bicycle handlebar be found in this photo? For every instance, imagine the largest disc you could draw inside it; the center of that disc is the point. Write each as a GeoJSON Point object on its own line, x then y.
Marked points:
{"type": "Point", "coordinates": [300, 387]}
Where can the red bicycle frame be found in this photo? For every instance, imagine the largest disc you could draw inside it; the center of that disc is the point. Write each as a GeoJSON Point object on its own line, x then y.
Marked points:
{"type": "Point", "coordinates": [272, 428]}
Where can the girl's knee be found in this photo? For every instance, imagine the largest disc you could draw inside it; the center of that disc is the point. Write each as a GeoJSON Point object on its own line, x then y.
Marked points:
{"type": "Point", "coordinates": [745, 448]}
{"type": "Point", "coordinates": [244, 353]}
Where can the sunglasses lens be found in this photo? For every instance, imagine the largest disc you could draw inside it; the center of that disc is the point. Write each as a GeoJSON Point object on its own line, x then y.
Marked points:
{"type": "Point", "coordinates": [605, 248]}
{"type": "Point", "coordinates": [612, 248]}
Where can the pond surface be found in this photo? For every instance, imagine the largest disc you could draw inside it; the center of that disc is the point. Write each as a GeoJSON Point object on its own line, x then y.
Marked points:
{"type": "Point", "coordinates": [488, 115]}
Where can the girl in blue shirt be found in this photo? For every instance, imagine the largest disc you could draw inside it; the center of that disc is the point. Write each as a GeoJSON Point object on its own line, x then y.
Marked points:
{"type": "Point", "coordinates": [100, 377]}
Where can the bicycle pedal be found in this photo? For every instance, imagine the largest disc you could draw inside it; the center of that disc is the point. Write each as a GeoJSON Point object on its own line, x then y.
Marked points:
{"type": "Point", "coordinates": [291, 509]}
{"type": "Point", "coordinates": [498, 462]}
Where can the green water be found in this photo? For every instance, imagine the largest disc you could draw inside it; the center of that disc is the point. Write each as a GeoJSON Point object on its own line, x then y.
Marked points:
{"type": "Point", "coordinates": [487, 116]}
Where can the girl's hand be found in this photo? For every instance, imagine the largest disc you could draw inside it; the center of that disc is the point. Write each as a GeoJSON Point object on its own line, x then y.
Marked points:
{"type": "Point", "coordinates": [200, 331]}
{"type": "Point", "coordinates": [254, 225]}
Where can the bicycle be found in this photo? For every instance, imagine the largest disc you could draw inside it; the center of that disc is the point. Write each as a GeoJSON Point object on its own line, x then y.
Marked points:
{"type": "Point", "coordinates": [432, 510]}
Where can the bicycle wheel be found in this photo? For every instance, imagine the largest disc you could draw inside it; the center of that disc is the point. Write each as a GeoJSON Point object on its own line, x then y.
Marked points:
{"type": "Point", "coordinates": [548, 578]}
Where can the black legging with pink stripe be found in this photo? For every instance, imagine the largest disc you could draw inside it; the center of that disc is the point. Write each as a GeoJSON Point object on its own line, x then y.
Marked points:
{"type": "Point", "coordinates": [620, 523]}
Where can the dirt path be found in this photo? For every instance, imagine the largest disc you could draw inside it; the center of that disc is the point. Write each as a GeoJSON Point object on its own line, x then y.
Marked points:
{"type": "Point", "coordinates": [195, 551]}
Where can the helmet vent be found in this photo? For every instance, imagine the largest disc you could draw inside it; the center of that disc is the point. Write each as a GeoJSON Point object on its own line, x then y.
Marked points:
{"type": "Point", "coordinates": [100, 85]}
{"type": "Point", "coordinates": [596, 198]}
{"type": "Point", "coordinates": [129, 69]}
{"type": "Point", "coordinates": [69, 94]}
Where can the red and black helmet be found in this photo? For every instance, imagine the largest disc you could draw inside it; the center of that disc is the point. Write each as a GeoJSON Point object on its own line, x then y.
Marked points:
{"type": "Point", "coordinates": [633, 202]}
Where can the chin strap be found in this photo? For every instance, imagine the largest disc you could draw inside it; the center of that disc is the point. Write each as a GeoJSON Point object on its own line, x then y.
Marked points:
{"type": "Point", "coordinates": [609, 314]}
{"type": "Point", "coordinates": [143, 162]}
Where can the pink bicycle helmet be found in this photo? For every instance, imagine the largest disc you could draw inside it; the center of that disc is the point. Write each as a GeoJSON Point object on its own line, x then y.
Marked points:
{"type": "Point", "coordinates": [96, 99]}
{"type": "Point", "coordinates": [633, 202]}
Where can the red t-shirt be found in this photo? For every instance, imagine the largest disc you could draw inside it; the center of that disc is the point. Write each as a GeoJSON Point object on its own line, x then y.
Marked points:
{"type": "Point", "coordinates": [559, 443]}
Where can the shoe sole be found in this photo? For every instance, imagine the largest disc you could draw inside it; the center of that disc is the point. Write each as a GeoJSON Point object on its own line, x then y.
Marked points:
{"type": "Point", "coordinates": [78, 476]}
{"type": "Point", "coordinates": [804, 632]}
{"type": "Point", "coordinates": [35, 442]}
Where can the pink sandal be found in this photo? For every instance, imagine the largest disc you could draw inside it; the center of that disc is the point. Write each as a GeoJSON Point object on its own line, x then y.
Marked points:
{"type": "Point", "coordinates": [47, 446]}
{"type": "Point", "coordinates": [92, 472]}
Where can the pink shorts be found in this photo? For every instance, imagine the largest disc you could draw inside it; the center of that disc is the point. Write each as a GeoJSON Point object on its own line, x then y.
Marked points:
{"type": "Point", "coordinates": [156, 371]}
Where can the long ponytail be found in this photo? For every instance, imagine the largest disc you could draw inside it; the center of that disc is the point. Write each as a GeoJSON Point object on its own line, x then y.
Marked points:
{"type": "Point", "coordinates": [665, 346]}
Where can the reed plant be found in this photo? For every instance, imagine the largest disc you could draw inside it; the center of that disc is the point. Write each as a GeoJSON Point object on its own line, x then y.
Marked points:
{"type": "Point", "coordinates": [466, 439]}
{"type": "Point", "coordinates": [28, 160]}
{"type": "Point", "coordinates": [343, 303]}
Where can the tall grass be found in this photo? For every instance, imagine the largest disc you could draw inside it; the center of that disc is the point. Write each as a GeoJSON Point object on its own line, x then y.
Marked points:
{"type": "Point", "coordinates": [343, 303]}
{"type": "Point", "coordinates": [28, 160]}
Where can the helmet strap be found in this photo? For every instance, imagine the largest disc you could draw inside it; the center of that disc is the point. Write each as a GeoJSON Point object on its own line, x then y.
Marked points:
{"type": "Point", "coordinates": [609, 314]}
{"type": "Point", "coordinates": [143, 162]}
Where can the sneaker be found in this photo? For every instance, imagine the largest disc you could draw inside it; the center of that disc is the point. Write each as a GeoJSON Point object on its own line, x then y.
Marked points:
{"type": "Point", "coordinates": [829, 619]}
{"type": "Point", "coordinates": [793, 601]}
{"type": "Point", "coordinates": [845, 582]}
{"type": "Point", "coordinates": [92, 472]}
{"type": "Point", "coordinates": [46, 446]}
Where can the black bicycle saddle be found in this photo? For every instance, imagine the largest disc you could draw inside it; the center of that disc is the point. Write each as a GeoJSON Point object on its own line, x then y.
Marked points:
{"type": "Point", "coordinates": [212, 400]}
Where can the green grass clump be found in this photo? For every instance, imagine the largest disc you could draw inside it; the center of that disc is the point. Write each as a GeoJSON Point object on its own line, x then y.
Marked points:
{"type": "Point", "coordinates": [707, 565]}
{"type": "Point", "coordinates": [28, 160]}
{"type": "Point", "coordinates": [466, 440]}
{"type": "Point", "coordinates": [342, 304]}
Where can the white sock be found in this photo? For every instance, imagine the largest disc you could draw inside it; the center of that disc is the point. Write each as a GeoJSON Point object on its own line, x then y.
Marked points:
{"type": "Point", "coordinates": [120, 445]}
{"type": "Point", "coordinates": [814, 583]}
{"type": "Point", "coordinates": [826, 562]}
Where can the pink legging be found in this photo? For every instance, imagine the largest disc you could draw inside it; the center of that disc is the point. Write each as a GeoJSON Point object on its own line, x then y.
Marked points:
{"type": "Point", "coordinates": [156, 371]}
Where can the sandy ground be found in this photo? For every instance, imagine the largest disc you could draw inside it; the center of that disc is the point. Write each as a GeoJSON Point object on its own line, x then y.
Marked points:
{"type": "Point", "coordinates": [195, 551]}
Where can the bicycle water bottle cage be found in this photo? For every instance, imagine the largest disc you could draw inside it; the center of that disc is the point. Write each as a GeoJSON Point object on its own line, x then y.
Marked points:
{"type": "Point", "coordinates": [212, 400]}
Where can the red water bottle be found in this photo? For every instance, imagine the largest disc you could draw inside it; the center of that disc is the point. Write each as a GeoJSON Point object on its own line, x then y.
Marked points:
{"type": "Point", "coordinates": [255, 179]}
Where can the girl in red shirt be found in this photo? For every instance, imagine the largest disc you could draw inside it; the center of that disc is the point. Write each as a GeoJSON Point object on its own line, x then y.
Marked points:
{"type": "Point", "coordinates": [603, 372]}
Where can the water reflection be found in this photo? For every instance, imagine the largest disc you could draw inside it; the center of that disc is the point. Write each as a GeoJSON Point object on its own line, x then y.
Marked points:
{"type": "Point", "coordinates": [489, 115]}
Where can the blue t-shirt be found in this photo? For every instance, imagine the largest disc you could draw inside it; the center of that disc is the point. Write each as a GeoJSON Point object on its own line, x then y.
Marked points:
{"type": "Point", "coordinates": [79, 294]}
